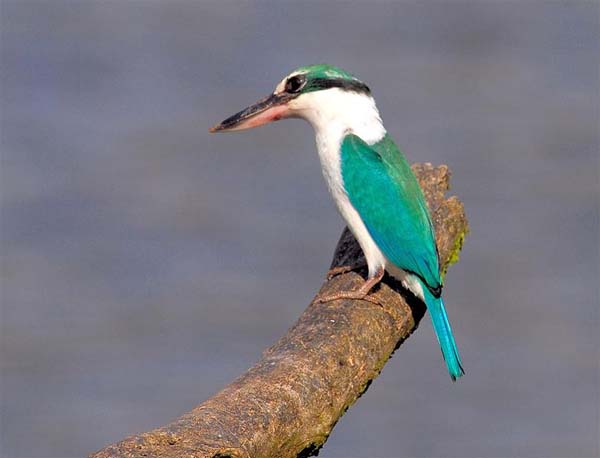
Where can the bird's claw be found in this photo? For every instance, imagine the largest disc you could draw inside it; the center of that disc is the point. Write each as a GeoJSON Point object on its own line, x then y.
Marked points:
{"type": "Point", "coordinates": [351, 295]}
{"type": "Point", "coordinates": [339, 270]}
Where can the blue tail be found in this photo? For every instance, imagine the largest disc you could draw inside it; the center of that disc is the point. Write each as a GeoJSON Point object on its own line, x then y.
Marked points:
{"type": "Point", "coordinates": [442, 328]}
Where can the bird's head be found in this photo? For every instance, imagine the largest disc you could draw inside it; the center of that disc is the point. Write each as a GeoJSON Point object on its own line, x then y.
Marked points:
{"type": "Point", "coordinates": [317, 93]}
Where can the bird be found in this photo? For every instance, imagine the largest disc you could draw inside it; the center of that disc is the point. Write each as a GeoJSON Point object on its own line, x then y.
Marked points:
{"type": "Point", "coordinates": [370, 181]}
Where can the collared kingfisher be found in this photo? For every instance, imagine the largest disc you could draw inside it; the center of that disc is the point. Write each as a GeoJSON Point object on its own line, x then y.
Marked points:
{"type": "Point", "coordinates": [370, 180]}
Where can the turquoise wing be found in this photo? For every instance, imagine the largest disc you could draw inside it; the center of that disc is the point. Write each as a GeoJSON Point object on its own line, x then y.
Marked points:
{"type": "Point", "coordinates": [386, 194]}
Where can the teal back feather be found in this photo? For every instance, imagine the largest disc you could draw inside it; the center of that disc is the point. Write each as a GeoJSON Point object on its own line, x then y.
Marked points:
{"type": "Point", "coordinates": [386, 194]}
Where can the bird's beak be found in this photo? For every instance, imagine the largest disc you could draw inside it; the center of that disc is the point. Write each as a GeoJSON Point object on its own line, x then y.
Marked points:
{"type": "Point", "coordinates": [271, 108]}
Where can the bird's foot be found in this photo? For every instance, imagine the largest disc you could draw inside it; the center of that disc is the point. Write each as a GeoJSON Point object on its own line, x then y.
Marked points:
{"type": "Point", "coordinates": [339, 270]}
{"type": "Point", "coordinates": [361, 293]}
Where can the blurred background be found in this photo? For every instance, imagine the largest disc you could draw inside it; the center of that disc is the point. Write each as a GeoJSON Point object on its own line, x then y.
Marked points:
{"type": "Point", "coordinates": [146, 263]}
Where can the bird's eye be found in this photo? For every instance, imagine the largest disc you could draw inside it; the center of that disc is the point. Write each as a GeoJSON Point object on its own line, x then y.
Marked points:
{"type": "Point", "coordinates": [294, 84]}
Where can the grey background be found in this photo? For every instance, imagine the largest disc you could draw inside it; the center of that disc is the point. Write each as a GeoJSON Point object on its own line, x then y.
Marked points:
{"type": "Point", "coordinates": [146, 263]}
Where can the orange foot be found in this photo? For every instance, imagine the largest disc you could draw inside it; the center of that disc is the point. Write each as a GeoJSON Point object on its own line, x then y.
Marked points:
{"type": "Point", "coordinates": [361, 293]}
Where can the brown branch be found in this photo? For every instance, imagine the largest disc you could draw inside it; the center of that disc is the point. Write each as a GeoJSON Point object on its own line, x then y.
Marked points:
{"type": "Point", "coordinates": [288, 403]}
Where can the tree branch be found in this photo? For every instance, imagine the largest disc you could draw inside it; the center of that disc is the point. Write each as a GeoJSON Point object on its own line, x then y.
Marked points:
{"type": "Point", "coordinates": [288, 403]}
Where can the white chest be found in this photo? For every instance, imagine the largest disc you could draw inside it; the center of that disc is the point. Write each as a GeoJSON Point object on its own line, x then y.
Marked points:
{"type": "Point", "coordinates": [357, 115]}
{"type": "Point", "coordinates": [334, 114]}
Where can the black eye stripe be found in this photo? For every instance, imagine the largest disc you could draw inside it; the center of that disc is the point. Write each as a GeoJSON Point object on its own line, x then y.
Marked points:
{"type": "Point", "coordinates": [346, 85]}
{"type": "Point", "coordinates": [295, 84]}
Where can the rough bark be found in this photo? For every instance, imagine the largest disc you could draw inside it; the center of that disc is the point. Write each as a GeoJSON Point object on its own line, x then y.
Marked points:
{"type": "Point", "coordinates": [288, 403]}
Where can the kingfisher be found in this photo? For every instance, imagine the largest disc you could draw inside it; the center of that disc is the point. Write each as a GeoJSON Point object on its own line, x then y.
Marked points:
{"type": "Point", "coordinates": [371, 182]}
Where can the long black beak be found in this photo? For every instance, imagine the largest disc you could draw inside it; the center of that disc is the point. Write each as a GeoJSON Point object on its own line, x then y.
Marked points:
{"type": "Point", "coordinates": [271, 108]}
